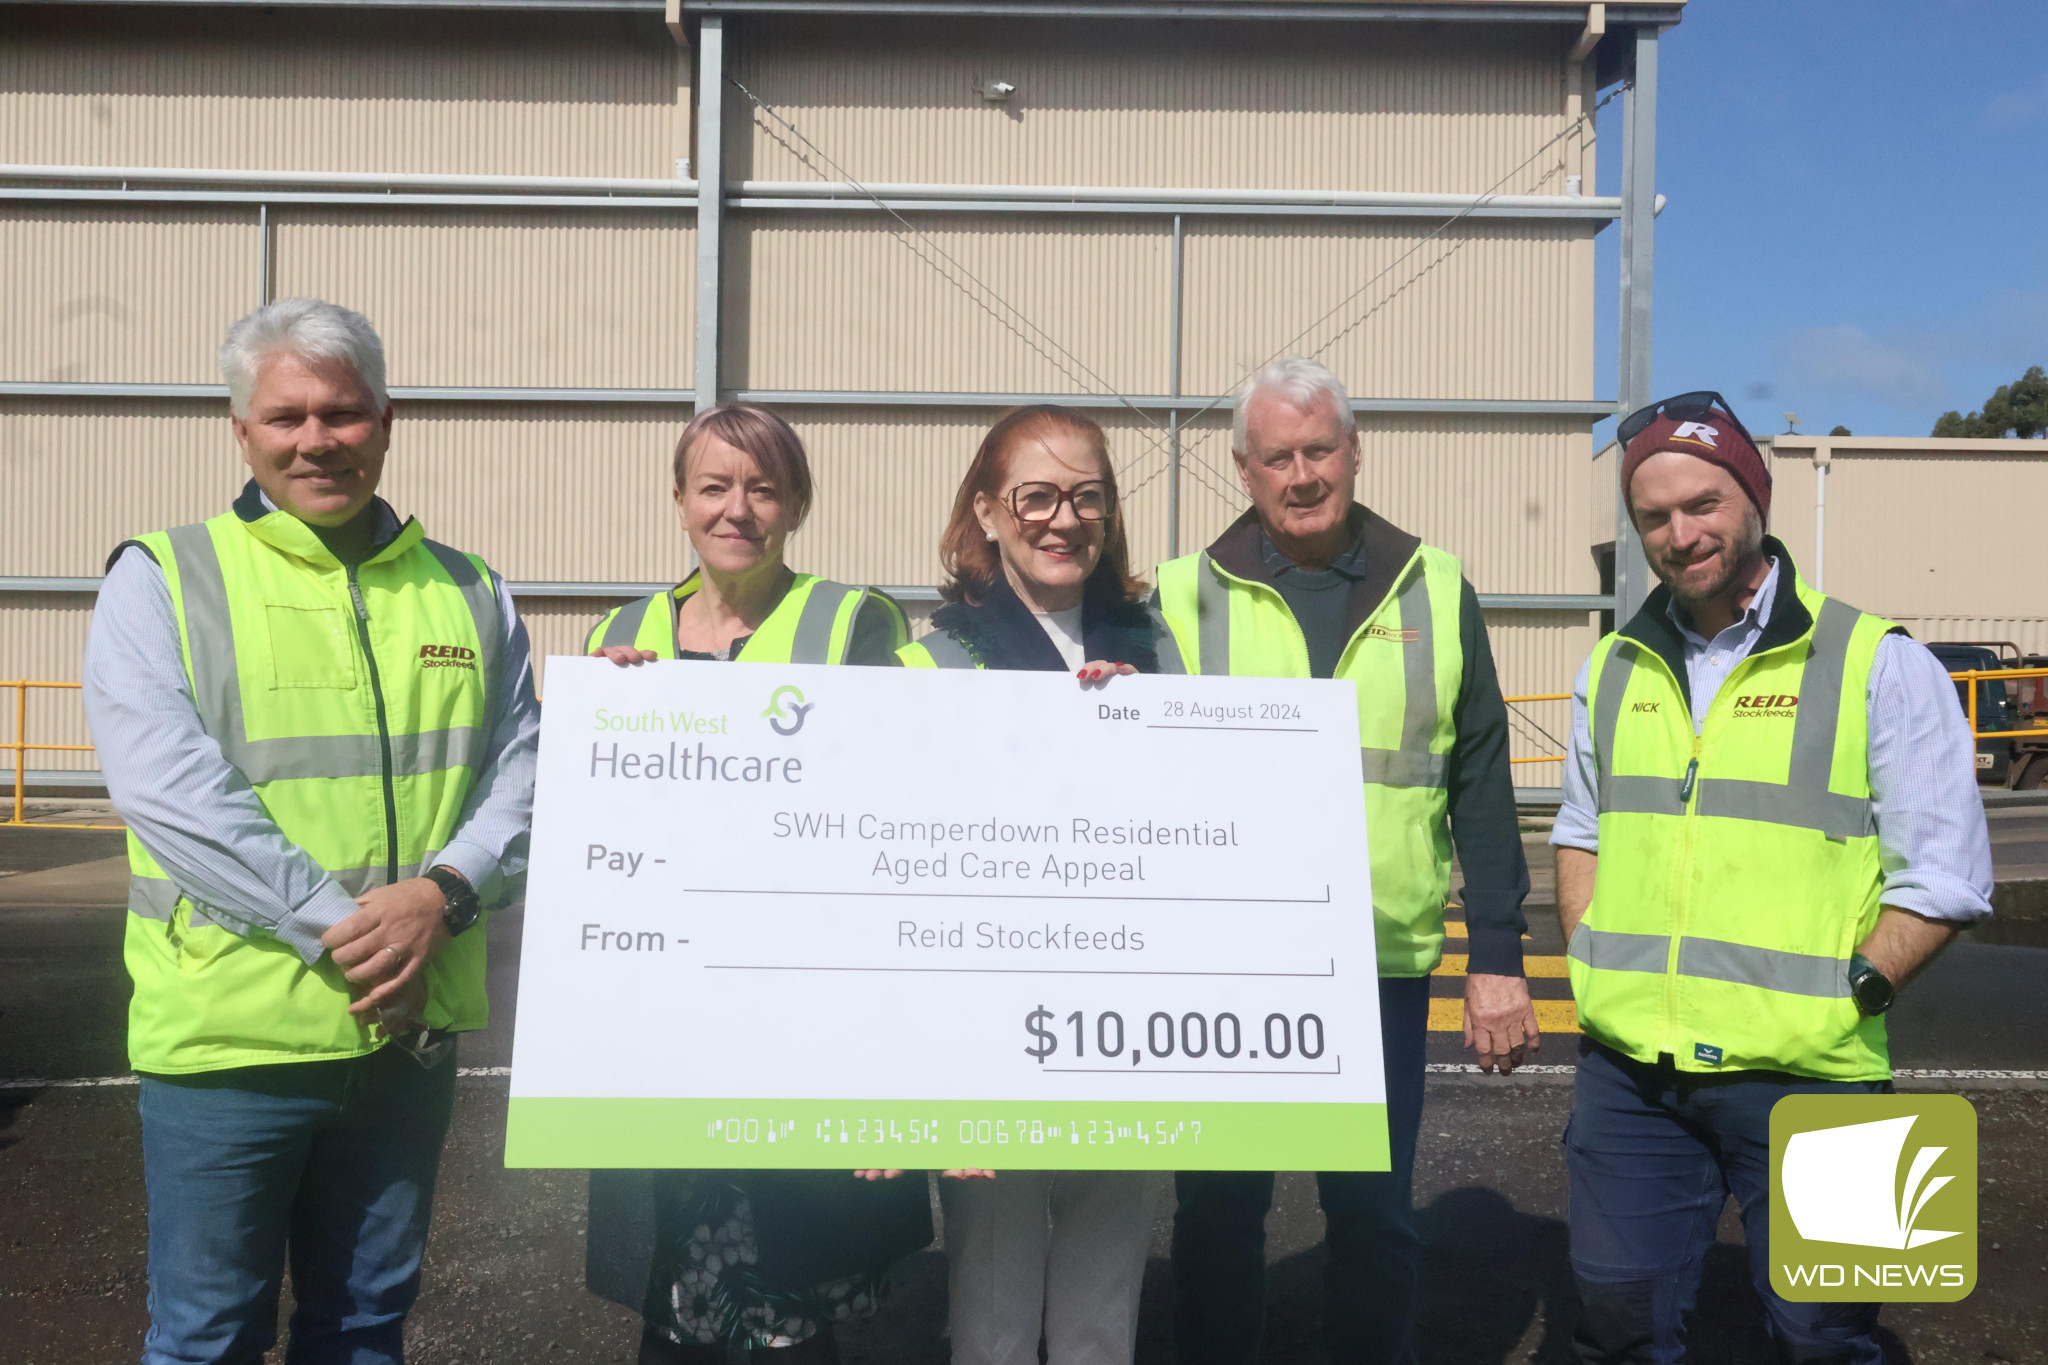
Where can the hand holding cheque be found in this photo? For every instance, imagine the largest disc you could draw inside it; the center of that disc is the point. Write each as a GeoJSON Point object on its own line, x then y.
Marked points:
{"type": "Point", "coordinates": [1119, 956]}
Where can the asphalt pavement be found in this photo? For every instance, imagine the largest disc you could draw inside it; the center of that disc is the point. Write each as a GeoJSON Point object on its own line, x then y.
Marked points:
{"type": "Point", "coordinates": [504, 1278]}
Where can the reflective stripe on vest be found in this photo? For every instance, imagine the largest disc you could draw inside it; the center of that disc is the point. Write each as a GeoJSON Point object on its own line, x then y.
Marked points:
{"type": "Point", "coordinates": [622, 627]}
{"type": "Point", "coordinates": [1769, 968]}
{"type": "Point", "coordinates": [947, 652]}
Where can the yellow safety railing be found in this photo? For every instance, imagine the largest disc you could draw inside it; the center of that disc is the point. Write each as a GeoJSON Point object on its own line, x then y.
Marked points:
{"type": "Point", "coordinates": [21, 748]}
{"type": "Point", "coordinates": [1546, 696]}
{"type": "Point", "coordinates": [1972, 675]}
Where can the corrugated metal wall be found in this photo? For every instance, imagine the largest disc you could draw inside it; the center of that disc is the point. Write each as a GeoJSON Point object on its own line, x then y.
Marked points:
{"type": "Point", "coordinates": [511, 298]}
{"type": "Point", "coordinates": [341, 90]}
{"type": "Point", "coordinates": [852, 301]}
{"type": "Point", "coordinates": [1924, 532]}
{"type": "Point", "coordinates": [1210, 105]}
{"type": "Point", "coordinates": [833, 300]}
{"type": "Point", "coordinates": [118, 293]}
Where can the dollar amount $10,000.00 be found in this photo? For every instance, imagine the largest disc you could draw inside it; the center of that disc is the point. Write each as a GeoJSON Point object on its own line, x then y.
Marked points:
{"type": "Point", "coordinates": [1191, 1035]}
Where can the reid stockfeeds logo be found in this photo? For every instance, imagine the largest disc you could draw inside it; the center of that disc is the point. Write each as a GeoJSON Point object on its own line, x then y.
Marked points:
{"type": "Point", "coordinates": [792, 720]}
{"type": "Point", "coordinates": [1873, 1198]}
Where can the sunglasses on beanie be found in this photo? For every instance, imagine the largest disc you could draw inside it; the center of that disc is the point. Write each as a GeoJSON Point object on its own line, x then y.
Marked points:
{"type": "Point", "coordinates": [1699, 406]}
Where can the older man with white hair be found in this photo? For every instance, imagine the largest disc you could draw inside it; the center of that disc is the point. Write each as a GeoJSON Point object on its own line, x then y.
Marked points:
{"type": "Point", "coordinates": [320, 727]}
{"type": "Point", "coordinates": [1309, 584]}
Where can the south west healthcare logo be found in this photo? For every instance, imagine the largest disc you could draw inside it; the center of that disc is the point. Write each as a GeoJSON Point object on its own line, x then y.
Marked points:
{"type": "Point", "coordinates": [790, 720]}
{"type": "Point", "coordinates": [1873, 1198]}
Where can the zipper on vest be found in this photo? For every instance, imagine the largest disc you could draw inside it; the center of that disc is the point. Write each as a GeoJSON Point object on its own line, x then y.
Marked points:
{"type": "Point", "coordinates": [355, 592]}
{"type": "Point", "coordinates": [1678, 920]}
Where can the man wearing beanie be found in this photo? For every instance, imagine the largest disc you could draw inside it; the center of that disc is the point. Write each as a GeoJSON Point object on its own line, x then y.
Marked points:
{"type": "Point", "coordinates": [1770, 824]}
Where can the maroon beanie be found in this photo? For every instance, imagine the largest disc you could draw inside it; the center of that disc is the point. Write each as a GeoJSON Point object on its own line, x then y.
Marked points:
{"type": "Point", "coordinates": [1712, 438]}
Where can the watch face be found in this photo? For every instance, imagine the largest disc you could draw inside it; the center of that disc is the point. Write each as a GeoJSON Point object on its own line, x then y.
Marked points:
{"type": "Point", "coordinates": [461, 908]}
{"type": "Point", "coordinates": [462, 911]}
{"type": "Point", "coordinates": [1873, 993]}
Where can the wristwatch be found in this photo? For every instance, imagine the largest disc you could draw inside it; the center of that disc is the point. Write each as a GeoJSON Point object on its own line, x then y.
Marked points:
{"type": "Point", "coordinates": [1870, 988]}
{"type": "Point", "coordinates": [460, 906]}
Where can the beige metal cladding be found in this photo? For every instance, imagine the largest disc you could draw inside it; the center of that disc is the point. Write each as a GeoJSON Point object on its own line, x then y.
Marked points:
{"type": "Point", "coordinates": [313, 90]}
{"type": "Point", "coordinates": [1193, 105]}
{"type": "Point", "coordinates": [1920, 530]}
{"type": "Point", "coordinates": [503, 297]}
{"type": "Point", "coordinates": [1414, 328]}
{"type": "Point", "coordinates": [854, 301]}
{"type": "Point", "coordinates": [84, 476]}
{"type": "Point", "coordinates": [110, 292]}
{"type": "Point", "coordinates": [507, 297]}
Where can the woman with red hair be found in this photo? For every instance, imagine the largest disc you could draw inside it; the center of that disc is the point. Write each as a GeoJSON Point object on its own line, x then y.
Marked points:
{"type": "Point", "coordinates": [1038, 578]}
{"type": "Point", "coordinates": [1037, 566]}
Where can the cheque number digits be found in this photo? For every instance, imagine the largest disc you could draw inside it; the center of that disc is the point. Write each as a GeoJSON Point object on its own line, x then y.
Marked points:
{"type": "Point", "coordinates": [1192, 1035]}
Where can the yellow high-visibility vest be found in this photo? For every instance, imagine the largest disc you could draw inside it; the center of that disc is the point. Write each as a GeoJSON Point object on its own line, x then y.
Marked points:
{"type": "Point", "coordinates": [1739, 866]}
{"type": "Point", "coordinates": [356, 703]}
{"type": "Point", "coordinates": [812, 624]}
{"type": "Point", "coordinates": [1408, 664]}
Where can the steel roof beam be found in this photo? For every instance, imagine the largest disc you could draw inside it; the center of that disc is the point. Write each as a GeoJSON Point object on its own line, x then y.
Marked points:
{"type": "Point", "coordinates": [1564, 15]}
{"type": "Point", "coordinates": [1498, 601]}
{"type": "Point", "coordinates": [1355, 12]}
{"type": "Point", "coordinates": [1592, 409]}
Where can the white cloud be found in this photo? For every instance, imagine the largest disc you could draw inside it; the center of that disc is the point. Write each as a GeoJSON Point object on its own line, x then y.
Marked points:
{"type": "Point", "coordinates": [2018, 106]}
{"type": "Point", "coordinates": [1845, 357]}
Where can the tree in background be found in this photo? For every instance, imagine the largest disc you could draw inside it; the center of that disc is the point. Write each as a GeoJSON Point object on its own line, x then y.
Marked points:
{"type": "Point", "coordinates": [1841, 430]}
{"type": "Point", "coordinates": [2018, 409]}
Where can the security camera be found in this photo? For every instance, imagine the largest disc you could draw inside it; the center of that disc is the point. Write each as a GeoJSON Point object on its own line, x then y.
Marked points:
{"type": "Point", "coordinates": [995, 92]}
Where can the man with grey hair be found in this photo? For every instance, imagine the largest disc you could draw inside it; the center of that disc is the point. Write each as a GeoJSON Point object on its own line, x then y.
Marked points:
{"type": "Point", "coordinates": [1309, 584]}
{"type": "Point", "coordinates": [320, 727]}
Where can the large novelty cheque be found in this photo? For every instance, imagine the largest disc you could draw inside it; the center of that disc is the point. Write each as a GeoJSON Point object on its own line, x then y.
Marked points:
{"type": "Point", "coordinates": [789, 916]}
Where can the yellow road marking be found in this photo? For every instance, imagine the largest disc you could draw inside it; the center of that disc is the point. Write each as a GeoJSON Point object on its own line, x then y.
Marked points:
{"type": "Point", "coordinates": [1455, 928]}
{"type": "Point", "coordinates": [1453, 964]}
{"type": "Point", "coordinates": [1552, 1016]}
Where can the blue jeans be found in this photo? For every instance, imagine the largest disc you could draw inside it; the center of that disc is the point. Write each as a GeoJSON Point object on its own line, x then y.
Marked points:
{"type": "Point", "coordinates": [1653, 1155]}
{"type": "Point", "coordinates": [332, 1163]}
{"type": "Point", "coordinates": [1219, 1230]}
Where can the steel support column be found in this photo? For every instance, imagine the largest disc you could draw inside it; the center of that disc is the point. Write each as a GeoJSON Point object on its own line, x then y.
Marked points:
{"type": "Point", "coordinates": [710, 168]}
{"type": "Point", "coordinates": [266, 267]}
{"type": "Point", "coordinates": [1638, 240]}
{"type": "Point", "coordinates": [1173, 391]}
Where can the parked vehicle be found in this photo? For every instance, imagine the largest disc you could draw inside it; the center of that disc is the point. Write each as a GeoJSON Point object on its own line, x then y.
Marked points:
{"type": "Point", "coordinates": [2018, 762]}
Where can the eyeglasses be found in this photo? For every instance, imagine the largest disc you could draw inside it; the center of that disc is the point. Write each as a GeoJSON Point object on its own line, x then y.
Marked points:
{"type": "Point", "coordinates": [1686, 407]}
{"type": "Point", "coordinates": [1040, 502]}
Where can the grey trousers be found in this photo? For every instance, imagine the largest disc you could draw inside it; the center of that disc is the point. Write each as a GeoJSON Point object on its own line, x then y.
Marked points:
{"type": "Point", "coordinates": [1059, 1250]}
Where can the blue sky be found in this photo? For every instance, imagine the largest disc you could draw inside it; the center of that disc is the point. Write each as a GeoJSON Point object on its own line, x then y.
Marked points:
{"type": "Point", "coordinates": [1858, 220]}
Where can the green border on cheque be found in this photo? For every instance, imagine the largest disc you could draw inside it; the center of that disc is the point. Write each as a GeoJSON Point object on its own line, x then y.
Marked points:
{"type": "Point", "coordinates": [569, 1133]}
